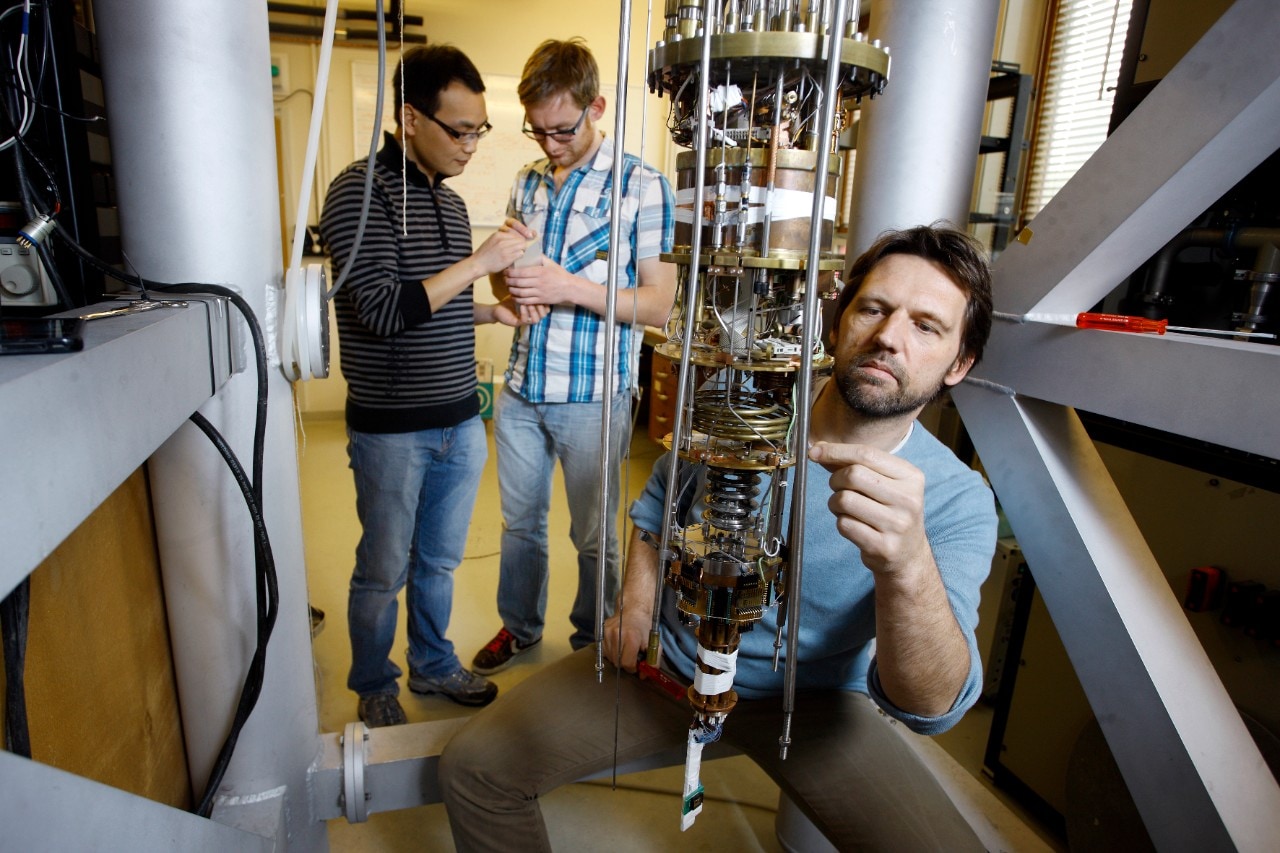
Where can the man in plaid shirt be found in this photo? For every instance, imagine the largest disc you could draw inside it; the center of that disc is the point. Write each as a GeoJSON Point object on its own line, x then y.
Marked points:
{"type": "Point", "coordinates": [552, 404]}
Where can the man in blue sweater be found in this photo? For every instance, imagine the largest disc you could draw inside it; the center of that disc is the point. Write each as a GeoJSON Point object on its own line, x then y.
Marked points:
{"type": "Point", "coordinates": [898, 540]}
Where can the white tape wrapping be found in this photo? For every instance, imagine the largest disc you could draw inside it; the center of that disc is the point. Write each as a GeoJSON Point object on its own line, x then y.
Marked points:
{"type": "Point", "coordinates": [719, 660]}
{"type": "Point", "coordinates": [692, 763]}
{"type": "Point", "coordinates": [712, 685]}
{"type": "Point", "coordinates": [709, 684]}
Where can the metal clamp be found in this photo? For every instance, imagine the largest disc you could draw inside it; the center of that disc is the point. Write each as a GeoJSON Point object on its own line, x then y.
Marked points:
{"type": "Point", "coordinates": [355, 758]}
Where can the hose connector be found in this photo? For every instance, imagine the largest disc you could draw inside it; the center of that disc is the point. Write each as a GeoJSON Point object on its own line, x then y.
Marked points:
{"type": "Point", "coordinates": [35, 232]}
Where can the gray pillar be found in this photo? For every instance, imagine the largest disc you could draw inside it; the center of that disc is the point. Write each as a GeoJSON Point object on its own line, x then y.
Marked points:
{"type": "Point", "coordinates": [918, 143]}
{"type": "Point", "coordinates": [188, 91]}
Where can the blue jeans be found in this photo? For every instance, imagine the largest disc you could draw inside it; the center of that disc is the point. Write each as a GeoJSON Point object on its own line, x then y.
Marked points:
{"type": "Point", "coordinates": [530, 437]}
{"type": "Point", "coordinates": [414, 495]}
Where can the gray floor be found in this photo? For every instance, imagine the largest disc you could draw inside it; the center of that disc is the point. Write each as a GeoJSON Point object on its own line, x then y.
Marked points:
{"type": "Point", "coordinates": [642, 812]}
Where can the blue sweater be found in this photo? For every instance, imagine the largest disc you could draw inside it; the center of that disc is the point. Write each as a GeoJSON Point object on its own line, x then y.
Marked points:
{"type": "Point", "coordinates": [837, 608]}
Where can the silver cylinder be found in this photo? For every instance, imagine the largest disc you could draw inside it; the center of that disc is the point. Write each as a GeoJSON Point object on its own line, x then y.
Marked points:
{"type": "Point", "coordinates": [189, 98]}
{"type": "Point", "coordinates": [918, 146]}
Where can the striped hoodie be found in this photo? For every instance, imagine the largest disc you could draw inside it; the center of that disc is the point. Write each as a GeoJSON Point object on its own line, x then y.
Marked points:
{"type": "Point", "coordinates": [406, 368]}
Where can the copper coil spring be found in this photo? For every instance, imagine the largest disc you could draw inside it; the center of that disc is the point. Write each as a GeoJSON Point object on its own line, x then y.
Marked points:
{"type": "Point", "coordinates": [748, 416]}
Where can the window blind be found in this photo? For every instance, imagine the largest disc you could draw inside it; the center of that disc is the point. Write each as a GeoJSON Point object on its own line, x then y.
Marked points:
{"type": "Point", "coordinates": [1076, 93]}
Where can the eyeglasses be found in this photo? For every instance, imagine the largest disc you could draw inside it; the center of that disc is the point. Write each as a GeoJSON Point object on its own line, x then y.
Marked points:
{"type": "Point", "coordinates": [461, 136]}
{"type": "Point", "coordinates": [565, 134]}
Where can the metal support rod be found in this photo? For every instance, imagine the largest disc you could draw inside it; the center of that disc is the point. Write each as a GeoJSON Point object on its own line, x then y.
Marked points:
{"type": "Point", "coordinates": [610, 325]}
{"type": "Point", "coordinates": [771, 166]}
{"type": "Point", "coordinates": [917, 158]}
{"type": "Point", "coordinates": [826, 119]}
{"type": "Point", "coordinates": [691, 304]}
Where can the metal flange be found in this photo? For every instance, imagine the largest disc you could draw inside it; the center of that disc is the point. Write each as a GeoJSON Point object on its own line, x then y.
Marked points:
{"type": "Point", "coordinates": [774, 46]}
{"type": "Point", "coordinates": [355, 760]}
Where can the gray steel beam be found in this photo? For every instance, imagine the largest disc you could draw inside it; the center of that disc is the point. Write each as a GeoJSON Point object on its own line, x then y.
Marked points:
{"type": "Point", "coordinates": [1195, 774]}
{"type": "Point", "coordinates": [72, 425]}
{"type": "Point", "coordinates": [400, 772]}
{"type": "Point", "coordinates": [1192, 767]}
{"type": "Point", "coordinates": [44, 808]}
{"type": "Point", "coordinates": [1213, 119]}
{"type": "Point", "coordinates": [1220, 391]}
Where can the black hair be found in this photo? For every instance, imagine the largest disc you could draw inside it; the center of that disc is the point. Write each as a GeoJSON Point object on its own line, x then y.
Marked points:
{"type": "Point", "coordinates": [427, 70]}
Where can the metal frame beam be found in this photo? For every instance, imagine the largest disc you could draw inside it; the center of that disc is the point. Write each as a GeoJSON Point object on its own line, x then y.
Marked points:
{"type": "Point", "coordinates": [1190, 764]}
{"type": "Point", "coordinates": [1194, 772]}
{"type": "Point", "coordinates": [63, 471]}
{"type": "Point", "coordinates": [44, 808]}
{"type": "Point", "coordinates": [399, 770]}
{"type": "Point", "coordinates": [1187, 384]}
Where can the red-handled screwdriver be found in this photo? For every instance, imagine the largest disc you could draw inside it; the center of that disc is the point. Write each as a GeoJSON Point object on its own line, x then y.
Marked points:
{"type": "Point", "coordinates": [1121, 323]}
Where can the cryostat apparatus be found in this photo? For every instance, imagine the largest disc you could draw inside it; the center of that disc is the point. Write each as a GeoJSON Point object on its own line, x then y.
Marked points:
{"type": "Point", "coordinates": [757, 103]}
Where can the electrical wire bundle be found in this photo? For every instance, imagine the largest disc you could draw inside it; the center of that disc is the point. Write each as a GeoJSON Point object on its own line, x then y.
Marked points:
{"type": "Point", "coordinates": [24, 78]}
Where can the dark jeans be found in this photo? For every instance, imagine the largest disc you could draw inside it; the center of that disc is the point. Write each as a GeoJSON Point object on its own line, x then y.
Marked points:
{"type": "Point", "coordinates": [857, 780]}
{"type": "Point", "coordinates": [414, 496]}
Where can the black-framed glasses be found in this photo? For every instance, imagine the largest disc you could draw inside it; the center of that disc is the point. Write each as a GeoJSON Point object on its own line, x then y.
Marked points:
{"type": "Point", "coordinates": [564, 134]}
{"type": "Point", "coordinates": [460, 135]}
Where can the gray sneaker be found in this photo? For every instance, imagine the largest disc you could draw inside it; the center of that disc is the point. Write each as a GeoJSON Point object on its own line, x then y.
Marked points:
{"type": "Point", "coordinates": [462, 686]}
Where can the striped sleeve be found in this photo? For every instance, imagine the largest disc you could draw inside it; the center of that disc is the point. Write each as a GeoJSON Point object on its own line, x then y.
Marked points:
{"type": "Point", "coordinates": [384, 303]}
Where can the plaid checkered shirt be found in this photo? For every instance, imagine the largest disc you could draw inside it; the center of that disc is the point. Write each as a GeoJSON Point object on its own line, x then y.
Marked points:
{"type": "Point", "coordinates": [561, 358]}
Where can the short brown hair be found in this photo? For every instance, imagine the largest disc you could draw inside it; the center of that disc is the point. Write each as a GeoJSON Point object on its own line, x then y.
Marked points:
{"type": "Point", "coordinates": [962, 258]}
{"type": "Point", "coordinates": [560, 67]}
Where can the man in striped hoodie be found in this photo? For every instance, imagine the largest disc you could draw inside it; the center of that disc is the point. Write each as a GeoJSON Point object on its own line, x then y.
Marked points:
{"type": "Point", "coordinates": [407, 344]}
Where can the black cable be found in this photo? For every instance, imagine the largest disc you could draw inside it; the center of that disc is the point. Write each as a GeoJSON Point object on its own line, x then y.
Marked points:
{"type": "Point", "coordinates": [268, 609]}
{"type": "Point", "coordinates": [260, 363]}
{"type": "Point", "coordinates": [260, 359]}
{"type": "Point", "coordinates": [24, 183]}
{"type": "Point", "coordinates": [52, 183]}
{"type": "Point", "coordinates": [50, 108]}
{"type": "Point", "coordinates": [259, 345]}
{"type": "Point", "coordinates": [14, 610]}
{"type": "Point", "coordinates": [55, 277]}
